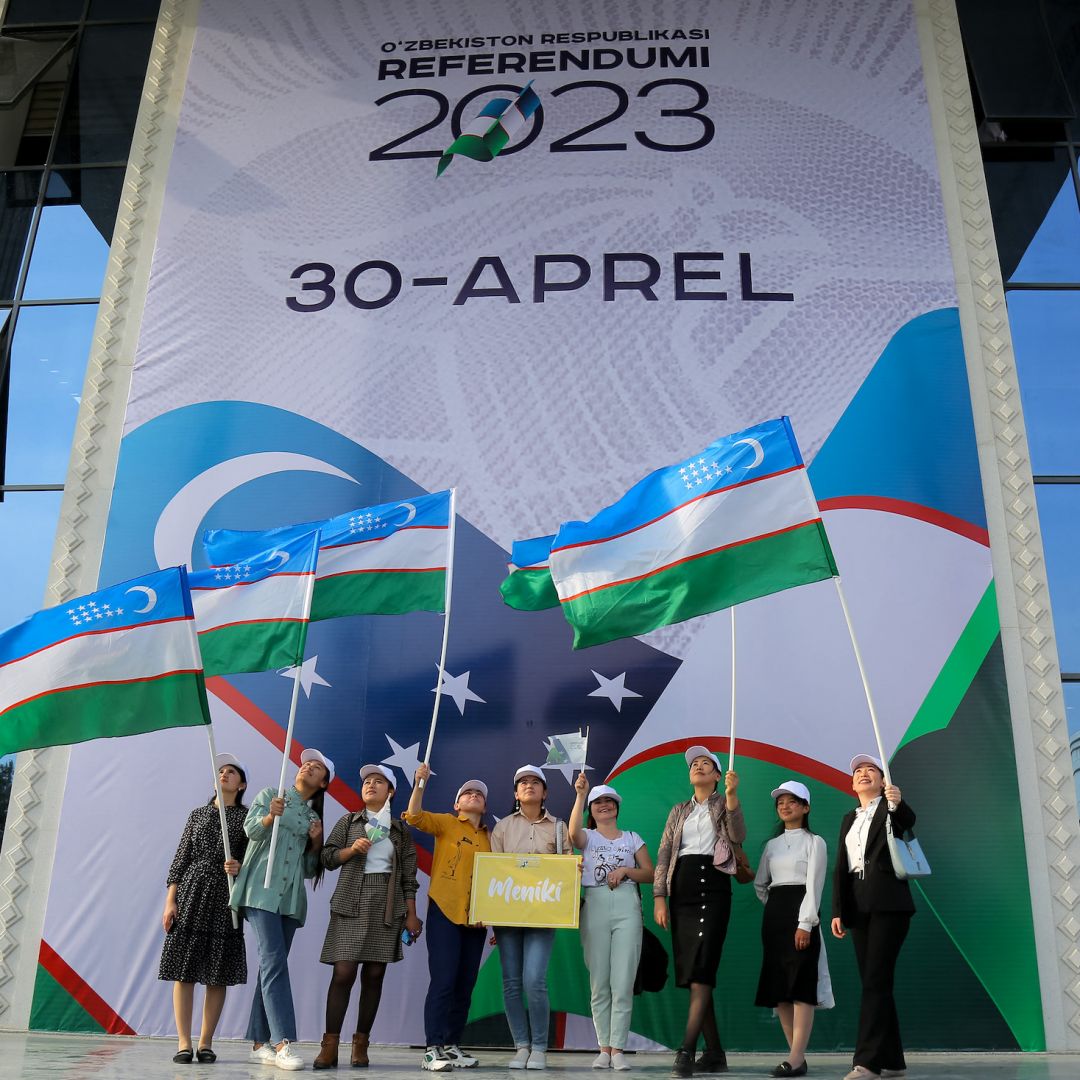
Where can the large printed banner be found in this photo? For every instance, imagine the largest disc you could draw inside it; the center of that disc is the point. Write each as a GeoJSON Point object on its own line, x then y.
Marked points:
{"type": "Point", "coordinates": [534, 252]}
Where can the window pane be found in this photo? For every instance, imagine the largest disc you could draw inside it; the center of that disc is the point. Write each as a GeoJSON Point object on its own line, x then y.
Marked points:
{"type": "Point", "coordinates": [1045, 329]}
{"type": "Point", "coordinates": [1054, 252]}
{"type": "Point", "coordinates": [72, 243]}
{"type": "Point", "coordinates": [100, 114]}
{"type": "Point", "coordinates": [18, 193]}
{"type": "Point", "coordinates": [48, 363]}
{"type": "Point", "coordinates": [27, 530]}
{"type": "Point", "coordinates": [43, 11]}
{"type": "Point", "coordinates": [124, 9]}
{"type": "Point", "coordinates": [1059, 520]}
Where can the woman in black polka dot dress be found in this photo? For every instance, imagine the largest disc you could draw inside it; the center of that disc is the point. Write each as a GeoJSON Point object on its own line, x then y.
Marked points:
{"type": "Point", "coordinates": [201, 945]}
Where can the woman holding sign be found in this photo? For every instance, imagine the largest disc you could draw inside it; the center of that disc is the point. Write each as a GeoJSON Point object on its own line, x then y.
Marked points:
{"type": "Point", "coordinates": [694, 866]}
{"type": "Point", "coordinates": [455, 946]}
{"type": "Point", "coordinates": [524, 952]}
{"type": "Point", "coordinates": [615, 863]}
{"type": "Point", "coordinates": [373, 904]}
{"type": "Point", "coordinates": [277, 912]}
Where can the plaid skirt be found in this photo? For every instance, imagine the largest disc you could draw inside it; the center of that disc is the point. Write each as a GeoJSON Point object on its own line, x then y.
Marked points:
{"type": "Point", "coordinates": [364, 936]}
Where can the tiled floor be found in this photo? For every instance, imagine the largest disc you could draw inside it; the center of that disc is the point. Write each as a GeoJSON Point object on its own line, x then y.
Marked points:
{"type": "Point", "coordinates": [79, 1057]}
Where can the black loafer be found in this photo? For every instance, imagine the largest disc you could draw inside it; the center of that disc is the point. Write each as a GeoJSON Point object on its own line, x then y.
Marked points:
{"type": "Point", "coordinates": [785, 1069]}
{"type": "Point", "coordinates": [683, 1065]}
{"type": "Point", "coordinates": [205, 1056]}
{"type": "Point", "coordinates": [184, 1057]}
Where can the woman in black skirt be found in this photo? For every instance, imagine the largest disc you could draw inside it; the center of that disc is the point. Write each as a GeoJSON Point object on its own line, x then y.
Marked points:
{"type": "Point", "coordinates": [201, 944]}
{"type": "Point", "coordinates": [375, 900]}
{"type": "Point", "coordinates": [794, 975]}
{"type": "Point", "coordinates": [694, 867]}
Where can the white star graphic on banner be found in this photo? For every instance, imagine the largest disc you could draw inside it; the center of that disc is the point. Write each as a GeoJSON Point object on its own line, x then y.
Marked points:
{"type": "Point", "coordinates": [405, 758]}
{"type": "Point", "coordinates": [457, 687]}
{"type": "Point", "coordinates": [309, 677]}
{"type": "Point", "coordinates": [613, 689]}
{"type": "Point", "coordinates": [569, 772]}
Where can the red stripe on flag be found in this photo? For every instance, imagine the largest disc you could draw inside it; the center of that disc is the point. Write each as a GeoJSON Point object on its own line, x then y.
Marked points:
{"type": "Point", "coordinates": [911, 510]}
{"type": "Point", "coordinates": [248, 622]}
{"type": "Point", "coordinates": [386, 570]}
{"type": "Point", "coordinates": [104, 682]}
{"type": "Point", "coordinates": [378, 539]}
{"type": "Point", "coordinates": [82, 992]}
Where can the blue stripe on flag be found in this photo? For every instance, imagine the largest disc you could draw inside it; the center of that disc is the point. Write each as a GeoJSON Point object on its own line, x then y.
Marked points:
{"type": "Point", "coordinates": [300, 551]}
{"type": "Point", "coordinates": [534, 552]}
{"type": "Point", "coordinates": [729, 461]}
{"type": "Point", "coordinates": [164, 595]}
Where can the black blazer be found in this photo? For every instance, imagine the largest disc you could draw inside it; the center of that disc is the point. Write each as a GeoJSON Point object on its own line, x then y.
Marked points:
{"type": "Point", "coordinates": [885, 891]}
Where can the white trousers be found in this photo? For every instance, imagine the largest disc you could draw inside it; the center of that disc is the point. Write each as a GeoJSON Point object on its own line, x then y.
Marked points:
{"type": "Point", "coordinates": [611, 939]}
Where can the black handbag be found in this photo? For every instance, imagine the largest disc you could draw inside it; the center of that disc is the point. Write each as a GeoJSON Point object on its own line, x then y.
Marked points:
{"type": "Point", "coordinates": [652, 970]}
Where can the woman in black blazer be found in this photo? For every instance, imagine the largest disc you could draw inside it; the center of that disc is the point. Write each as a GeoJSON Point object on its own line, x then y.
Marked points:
{"type": "Point", "coordinates": [876, 906]}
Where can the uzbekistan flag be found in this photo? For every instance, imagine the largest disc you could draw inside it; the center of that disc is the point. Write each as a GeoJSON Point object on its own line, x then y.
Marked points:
{"type": "Point", "coordinates": [495, 125]}
{"type": "Point", "coordinates": [120, 661]}
{"type": "Point", "coordinates": [528, 586]}
{"type": "Point", "coordinates": [737, 521]}
{"type": "Point", "coordinates": [253, 616]}
{"type": "Point", "coordinates": [378, 560]}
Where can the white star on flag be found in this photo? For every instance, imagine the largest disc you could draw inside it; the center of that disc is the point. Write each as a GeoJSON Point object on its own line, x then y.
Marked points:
{"type": "Point", "coordinates": [613, 689]}
{"type": "Point", "coordinates": [405, 758]}
{"type": "Point", "coordinates": [457, 687]}
{"type": "Point", "coordinates": [308, 675]}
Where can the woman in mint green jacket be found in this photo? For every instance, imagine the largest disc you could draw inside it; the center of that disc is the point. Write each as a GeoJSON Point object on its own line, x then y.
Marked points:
{"type": "Point", "coordinates": [277, 912]}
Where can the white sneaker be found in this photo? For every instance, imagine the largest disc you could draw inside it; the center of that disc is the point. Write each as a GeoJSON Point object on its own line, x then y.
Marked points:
{"type": "Point", "coordinates": [436, 1060]}
{"type": "Point", "coordinates": [602, 1060]}
{"type": "Point", "coordinates": [619, 1062]}
{"type": "Point", "coordinates": [459, 1059]}
{"type": "Point", "coordinates": [520, 1060]}
{"type": "Point", "coordinates": [286, 1058]}
{"type": "Point", "coordinates": [861, 1072]}
{"type": "Point", "coordinates": [537, 1060]}
{"type": "Point", "coordinates": [263, 1056]}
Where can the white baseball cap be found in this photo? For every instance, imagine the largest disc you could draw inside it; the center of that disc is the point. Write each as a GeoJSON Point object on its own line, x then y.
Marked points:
{"type": "Point", "coordinates": [221, 760]}
{"type": "Point", "coordinates": [311, 754]}
{"type": "Point", "coordinates": [472, 785]}
{"type": "Point", "coordinates": [602, 791]}
{"type": "Point", "coordinates": [793, 787]}
{"type": "Point", "coordinates": [383, 770]}
{"type": "Point", "coordinates": [865, 759]}
{"type": "Point", "coordinates": [702, 751]}
{"type": "Point", "coordinates": [530, 770]}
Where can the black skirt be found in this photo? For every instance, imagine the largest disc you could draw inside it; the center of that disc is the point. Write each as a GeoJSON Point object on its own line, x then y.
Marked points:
{"type": "Point", "coordinates": [787, 973]}
{"type": "Point", "coordinates": [700, 909]}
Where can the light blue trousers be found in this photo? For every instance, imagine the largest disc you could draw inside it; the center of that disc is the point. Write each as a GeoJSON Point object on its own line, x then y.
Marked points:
{"type": "Point", "coordinates": [611, 938]}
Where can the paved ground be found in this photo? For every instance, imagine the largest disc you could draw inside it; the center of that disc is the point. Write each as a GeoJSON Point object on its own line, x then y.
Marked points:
{"type": "Point", "coordinates": [81, 1057]}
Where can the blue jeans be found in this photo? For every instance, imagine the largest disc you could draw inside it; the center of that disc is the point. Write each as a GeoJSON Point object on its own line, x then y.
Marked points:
{"type": "Point", "coordinates": [524, 956]}
{"type": "Point", "coordinates": [272, 1017]}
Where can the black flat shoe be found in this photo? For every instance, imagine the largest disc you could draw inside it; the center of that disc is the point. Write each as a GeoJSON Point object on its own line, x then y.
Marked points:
{"type": "Point", "coordinates": [184, 1057]}
{"type": "Point", "coordinates": [205, 1056]}
{"type": "Point", "coordinates": [785, 1069]}
{"type": "Point", "coordinates": [711, 1061]}
{"type": "Point", "coordinates": [683, 1065]}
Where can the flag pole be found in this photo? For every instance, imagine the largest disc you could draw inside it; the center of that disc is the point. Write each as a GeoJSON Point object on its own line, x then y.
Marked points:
{"type": "Point", "coordinates": [221, 816]}
{"type": "Point", "coordinates": [731, 743]}
{"type": "Point", "coordinates": [865, 682]}
{"type": "Point", "coordinates": [446, 623]}
{"type": "Point", "coordinates": [289, 735]}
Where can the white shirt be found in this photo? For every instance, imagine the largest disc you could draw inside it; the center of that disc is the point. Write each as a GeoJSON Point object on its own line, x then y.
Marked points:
{"type": "Point", "coordinates": [795, 857]}
{"type": "Point", "coordinates": [699, 832]}
{"type": "Point", "coordinates": [855, 842]}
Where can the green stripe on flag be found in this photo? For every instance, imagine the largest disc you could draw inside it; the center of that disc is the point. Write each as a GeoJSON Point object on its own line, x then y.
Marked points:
{"type": "Point", "coordinates": [529, 590]}
{"type": "Point", "coordinates": [255, 646]}
{"type": "Point", "coordinates": [378, 592]}
{"type": "Point", "coordinates": [701, 584]}
{"type": "Point", "coordinates": [105, 711]}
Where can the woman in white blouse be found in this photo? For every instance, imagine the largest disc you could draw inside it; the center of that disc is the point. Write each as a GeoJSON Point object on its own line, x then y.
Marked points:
{"type": "Point", "coordinates": [794, 974]}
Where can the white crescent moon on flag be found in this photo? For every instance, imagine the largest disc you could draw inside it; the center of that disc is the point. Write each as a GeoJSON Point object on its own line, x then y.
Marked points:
{"type": "Point", "coordinates": [759, 454]}
{"type": "Point", "coordinates": [180, 523]}
{"type": "Point", "coordinates": [411, 512]}
{"type": "Point", "coordinates": [151, 598]}
{"type": "Point", "coordinates": [282, 555]}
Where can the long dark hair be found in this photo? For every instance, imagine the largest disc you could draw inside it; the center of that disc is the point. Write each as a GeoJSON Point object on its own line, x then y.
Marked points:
{"type": "Point", "coordinates": [316, 803]}
{"type": "Point", "coordinates": [239, 795]}
{"type": "Point", "coordinates": [590, 821]}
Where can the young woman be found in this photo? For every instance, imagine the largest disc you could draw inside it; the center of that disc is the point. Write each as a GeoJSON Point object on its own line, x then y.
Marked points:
{"type": "Point", "coordinates": [455, 947]}
{"type": "Point", "coordinates": [615, 863]}
{"type": "Point", "coordinates": [694, 866]}
{"type": "Point", "coordinates": [374, 900]}
{"type": "Point", "coordinates": [876, 906]}
{"type": "Point", "coordinates": [794, 974]}
{"type": "Point", "coordinates": [277, 912]}
{"type": "Point", "coordinates": [201, 945]}
{"type": "Point", "coordinates": [524, 952]}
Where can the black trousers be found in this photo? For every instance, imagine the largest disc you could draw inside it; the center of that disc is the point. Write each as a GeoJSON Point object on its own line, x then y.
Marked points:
{"type": "Point", "coordinates": [878, 936]}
